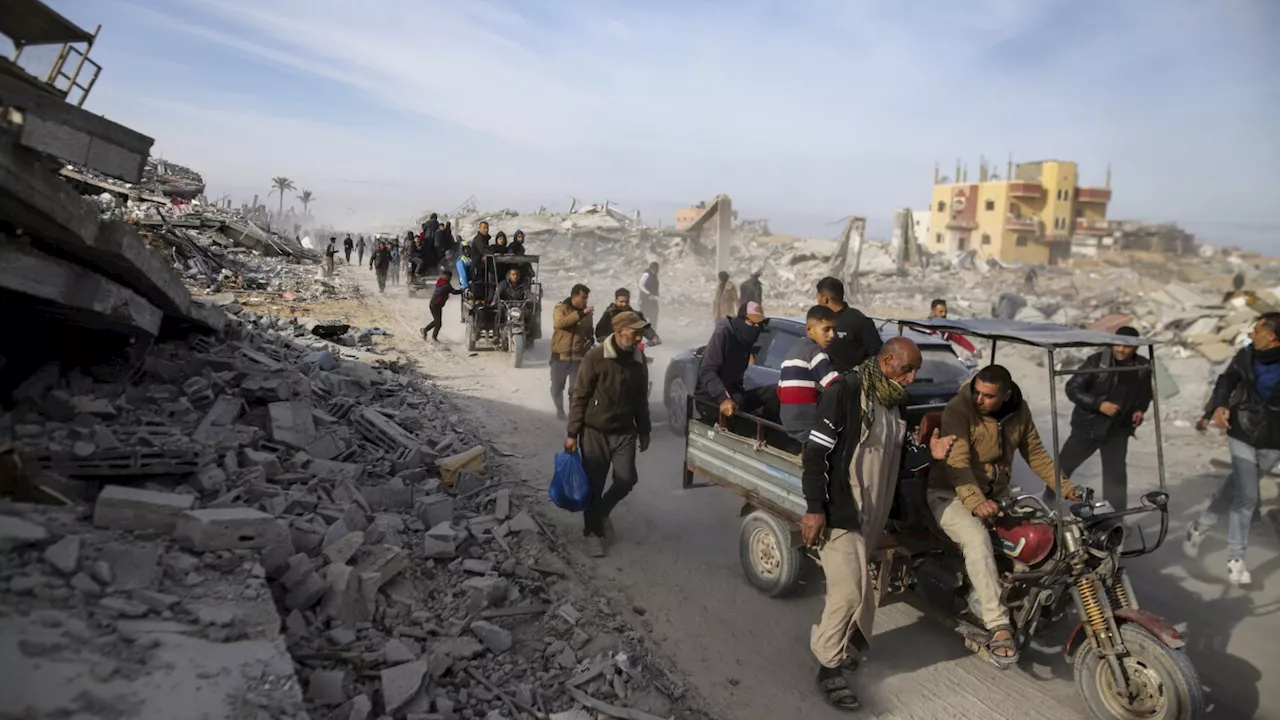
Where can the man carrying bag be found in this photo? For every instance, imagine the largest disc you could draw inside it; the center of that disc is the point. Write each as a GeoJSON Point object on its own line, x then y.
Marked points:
{"type": "Point", "coordinates": [608, 417]}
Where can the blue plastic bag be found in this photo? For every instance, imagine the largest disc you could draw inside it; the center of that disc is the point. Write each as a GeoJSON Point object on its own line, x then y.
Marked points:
{"type": "Point", "coordinates": [570, 489]}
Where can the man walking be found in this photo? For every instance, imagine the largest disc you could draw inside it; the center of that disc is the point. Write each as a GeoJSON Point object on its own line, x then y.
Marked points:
{"type": "Point", "coordinates": [608, 417]}
{"type": "Point", "coordinates": [360, 250]}
{"type": "Point", "coordinates": [649, 294]}
{"type": "Point", "coordinates": [938, 310]}
{"type": "Point", "coordinates": [347, 246]}
{"type": "Point", "coordinates": [1245, 403]}
{"type": "Point", "coordinates": [725, 302]}
{"type": "Point", "coordinates": [856, 336]}
{"type": "Point", "coordinates": [621, 304]}
{"type": "Point", "coordinates": [329, 253]}
{"type": "Point", "coordinates": [438, 299]}
{"type": "Point", "coordinates": [1109, 407]}
{"type": "Point", "coordinates": [381, 264]}
{"type": "Point", "coordinates": [858, 443]}
{"type": "Point", "coordinates": [752, 290]}
{"type": "Point", "coordinates": [571, 338]}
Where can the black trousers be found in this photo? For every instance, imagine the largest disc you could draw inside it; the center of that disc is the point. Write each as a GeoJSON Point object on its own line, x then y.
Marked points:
{"type": "Point", "coordinates": [1113, 449]}
{"type": "Point", "coordinates": [562, 371]}
{"type": "Point", "coordinates": [348, 252]}
{"type": "Point", "coordinates": [436, 323]}
{"type": "Point", "coordinates": [382, 279]}
{"type": "Point", "coordinates": [359, 256]}
{"type": "Point", "coordinates": [600, 452]}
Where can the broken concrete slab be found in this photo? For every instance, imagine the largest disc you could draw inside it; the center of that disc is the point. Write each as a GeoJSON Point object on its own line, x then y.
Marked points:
{"type": "Point", "coordinates": [228, 529]}
{"type": "Point", "coordinates": [385, 560]}
{"type": "Point", "coordinates": [64, 555]}
{"type": "Point", "coordinates": [396, 652]}
{"type": "Point", "coordinates": [494, 637]}
{"type": "Point", "coordinates": [86, 297]}
{"type": "Point", "coordinates": [129, 566]}
{"type": "Point", "coordinates": [344, 548]}
{"type": "Point", "coordinates": [15, 532]}
{"type": "Point", "coordinates": [434, 549]}
{"type": "Point", "coordinates": [218, 423]}
{"type": "Point", "coordinates": [435, 509]}
{"type": "Point", "coordinates": [325, 687]}
{"type": "Point", "coordinates": [292, 423]}
{"type": "Point", "coordinates": [401, 683]}
{"type": "Point", "coordinates": [125, 508]}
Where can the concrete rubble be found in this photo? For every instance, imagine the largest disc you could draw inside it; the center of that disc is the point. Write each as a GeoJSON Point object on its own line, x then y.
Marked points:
{"type": "Point", "coordinates": [393, 592]}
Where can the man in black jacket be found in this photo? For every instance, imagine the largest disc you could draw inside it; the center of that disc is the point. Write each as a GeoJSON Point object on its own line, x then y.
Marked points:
{"type": "Point", "coordinates": [723, 368]}
{"type": "Point", "coordinates": [856, 336]}
{"type": "Point", "coordinates": [608, 418]}
{"type": "Point", "coordinates": [480, 243]}
{"type": "Point", "coordinates": [752, 290]}
{"type": "Point", "coordinates": [621, 304]}
{"type": "Point", "coordinates": [1109, 407]}
{"type": "Point", "coordinates": [347, 246]}
{"type": "Point", "coordinates": [429, 229]}
{"type": "Point", "coordinates": [851, 465]}
{"type": "Point", "coordinates": [1245, 403]}
{"type": "Point", "coordinates": [443, 240]}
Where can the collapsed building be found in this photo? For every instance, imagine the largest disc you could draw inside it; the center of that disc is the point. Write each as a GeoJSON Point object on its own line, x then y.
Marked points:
{"type": "Point", "coordinates": [211, 512]}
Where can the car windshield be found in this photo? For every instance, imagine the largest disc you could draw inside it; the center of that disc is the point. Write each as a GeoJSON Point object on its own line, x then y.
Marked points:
{"type": "Point", "coordinates": [940, 366]}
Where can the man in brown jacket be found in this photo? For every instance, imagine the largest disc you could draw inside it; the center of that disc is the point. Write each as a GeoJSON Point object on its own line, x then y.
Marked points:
{"type": "Point", "coordinates": [571, 338]}
{"type": "Point", "coordinates": [989, 420]}
{"type": "Point", "coordinates": [609, 412]}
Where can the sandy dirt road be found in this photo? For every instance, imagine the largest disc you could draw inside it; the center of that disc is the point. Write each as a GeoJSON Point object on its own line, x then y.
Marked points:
{"type": "Point", "coordinates": [676, 560]}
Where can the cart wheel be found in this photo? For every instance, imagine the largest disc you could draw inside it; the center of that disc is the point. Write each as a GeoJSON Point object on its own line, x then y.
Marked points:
{"type": "Point", "coordinates": [770, 560]}
{"type": "Point", "coordinates": [517, 351]}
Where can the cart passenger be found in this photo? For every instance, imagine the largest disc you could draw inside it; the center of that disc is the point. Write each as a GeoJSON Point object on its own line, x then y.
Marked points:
{"type": "Point", "coordinates": [938, 309]}
{"type": "Point", "coordinates": [517, 243]}
{"type": "Point", "coordinates": [859, 441]}
{"type": "Point", "coordinates": [499, 246]}
{"type": "Point", "coordinates": [806, 372]}
{"type": "Point", "coordinates": [723, 367]}
{"type": "Point", "coordinates": [990, 420]}
{"type": "Point", "coordinates": [856, 336]}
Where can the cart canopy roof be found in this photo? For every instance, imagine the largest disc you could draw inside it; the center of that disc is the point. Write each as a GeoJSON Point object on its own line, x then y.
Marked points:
{"type": "Point", "coordinates": [1042, 335]}
{"type": "Point", "coordinates": [513, 259]}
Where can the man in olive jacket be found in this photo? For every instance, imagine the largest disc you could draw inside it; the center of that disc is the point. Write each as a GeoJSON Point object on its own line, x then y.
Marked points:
{"type": "Point", "coordinates": [608, 413]}
{"type": "Point", "coordinates": [572, 336]}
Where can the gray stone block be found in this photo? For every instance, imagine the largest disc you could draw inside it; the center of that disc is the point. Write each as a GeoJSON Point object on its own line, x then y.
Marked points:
{"type": "Point", "coordinates": [126, 508]}
{"type": "Point", "coordinates": [228, 529]}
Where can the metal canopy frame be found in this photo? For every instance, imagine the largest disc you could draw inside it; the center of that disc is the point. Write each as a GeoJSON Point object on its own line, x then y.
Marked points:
{"type": "Point", "coordinates": [31, 22]}
{"type": "Point", "coordinates": [1051, 337]}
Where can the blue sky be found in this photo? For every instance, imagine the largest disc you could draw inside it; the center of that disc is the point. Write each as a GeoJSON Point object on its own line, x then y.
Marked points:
{"type": "Point", "coordinates": [804, 112]}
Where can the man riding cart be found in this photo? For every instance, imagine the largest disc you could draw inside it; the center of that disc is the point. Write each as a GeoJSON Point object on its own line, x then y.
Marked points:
{"type": "Point", "coordinates": [507, 313]}
{"type": "Point", "coordinates": [959, 542]}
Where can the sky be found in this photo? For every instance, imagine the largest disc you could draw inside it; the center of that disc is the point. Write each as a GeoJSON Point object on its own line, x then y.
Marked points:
{"type": "Point", "coordinates": [804, 112]}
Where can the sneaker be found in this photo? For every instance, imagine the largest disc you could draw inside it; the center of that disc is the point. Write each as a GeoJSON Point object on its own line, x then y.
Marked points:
{"type": "Point", "coordinates": [1237, 573]}
{"type": "Point", "coordinates": [595, 546]}
{"type": "Point", "coordinates": [609, 533]}
{"type": "Point", "coordinates": [1191, 544]}
{"type": "Point", "coordinates": [424, 333]}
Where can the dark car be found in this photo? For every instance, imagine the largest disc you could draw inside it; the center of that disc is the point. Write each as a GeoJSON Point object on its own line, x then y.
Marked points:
{"type": "Point", "coordinates": [939, 379]}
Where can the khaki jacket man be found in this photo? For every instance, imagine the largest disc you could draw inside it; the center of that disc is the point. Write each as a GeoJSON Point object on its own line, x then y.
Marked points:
{"type": "Point", "coordinates": [572, 336]}
{"type": "Point", "coordinates": [990, 421]}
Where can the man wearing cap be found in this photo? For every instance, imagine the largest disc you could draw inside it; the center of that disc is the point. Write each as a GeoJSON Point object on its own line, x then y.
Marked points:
{"type": "Point", "coordinates": [1109, 407]}
{"type": "Point", "coordinates": [723, 368]}
{"type": "Point", "coordinates": [608, 417]}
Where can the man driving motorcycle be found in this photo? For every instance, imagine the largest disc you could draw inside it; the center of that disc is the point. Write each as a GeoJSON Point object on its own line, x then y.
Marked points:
{"type": "Point", "coordinates": [990, 420]}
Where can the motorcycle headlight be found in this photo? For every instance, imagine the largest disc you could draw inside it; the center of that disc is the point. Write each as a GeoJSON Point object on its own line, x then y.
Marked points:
{"type": "Point", "coordinates": [1108, 536]}
{"type": "Point", "coordinates": [516, 313]}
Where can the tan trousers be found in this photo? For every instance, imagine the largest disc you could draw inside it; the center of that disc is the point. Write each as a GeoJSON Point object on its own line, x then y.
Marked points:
{"type": "Point", "coordinates": [844, 562]}
{"type": "Point", "coordinates": [970, 533]}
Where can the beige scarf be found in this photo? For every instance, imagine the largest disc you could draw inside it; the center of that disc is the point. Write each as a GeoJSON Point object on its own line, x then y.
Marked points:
{"type": "Point", "coordinates": [876, 388]}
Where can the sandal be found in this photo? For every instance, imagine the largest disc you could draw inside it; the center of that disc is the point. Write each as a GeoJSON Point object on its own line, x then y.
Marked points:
{"type": "Point", "coordinates": [835, 690]}
{"type": "Point", "coordinates": [1002, 661]}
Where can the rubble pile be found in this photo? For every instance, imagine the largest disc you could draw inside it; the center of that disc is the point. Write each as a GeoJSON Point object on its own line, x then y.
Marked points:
{"type": "Point", "coordinates": [226, 485]}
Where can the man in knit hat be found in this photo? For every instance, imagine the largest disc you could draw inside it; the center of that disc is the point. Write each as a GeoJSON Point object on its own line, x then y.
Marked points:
{"type": "Point", "coordinates": [608, 418]}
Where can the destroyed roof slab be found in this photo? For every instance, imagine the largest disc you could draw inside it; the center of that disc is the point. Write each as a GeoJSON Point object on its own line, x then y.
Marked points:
{"type": "Point", "coordinates": [1044, 335]}
{"type": "Point", "coordinates": [31, 22]}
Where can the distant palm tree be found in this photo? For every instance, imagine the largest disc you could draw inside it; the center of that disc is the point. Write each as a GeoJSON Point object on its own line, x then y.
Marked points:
{"type": "Point", "coordinates": [281, 184]}
{"type": "Point", "coordinates": [306, 198]}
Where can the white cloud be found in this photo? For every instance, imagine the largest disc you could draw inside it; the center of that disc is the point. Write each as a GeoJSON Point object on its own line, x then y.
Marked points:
{"type": "Point", "coordinates": [814, 110]}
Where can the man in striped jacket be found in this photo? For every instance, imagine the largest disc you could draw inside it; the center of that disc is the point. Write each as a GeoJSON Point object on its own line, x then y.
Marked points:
{"type": "Point", "coordinates": [806, 372]}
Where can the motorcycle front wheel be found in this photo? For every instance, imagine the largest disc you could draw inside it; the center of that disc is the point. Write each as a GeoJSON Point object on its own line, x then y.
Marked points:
{"type": "Point", "coordinates": [1164, 683]}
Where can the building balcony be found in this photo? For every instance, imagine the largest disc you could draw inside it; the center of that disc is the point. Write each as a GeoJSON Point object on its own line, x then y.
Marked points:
{"type": "Point", "coordinates": [1020, 223]}
{"type": "Point", "coordinates": [1085, 226]}
{"type": "Point", "coordinates": [1093, 195]}
{"type": "Point", "coordinates": [1025, 189]}
{"type": "Point", "coordinates": [962, 224]}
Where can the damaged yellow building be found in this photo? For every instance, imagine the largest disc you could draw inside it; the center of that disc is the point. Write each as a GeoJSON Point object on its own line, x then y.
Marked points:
{"type": "Point", "coordinates": [1030, 215]}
